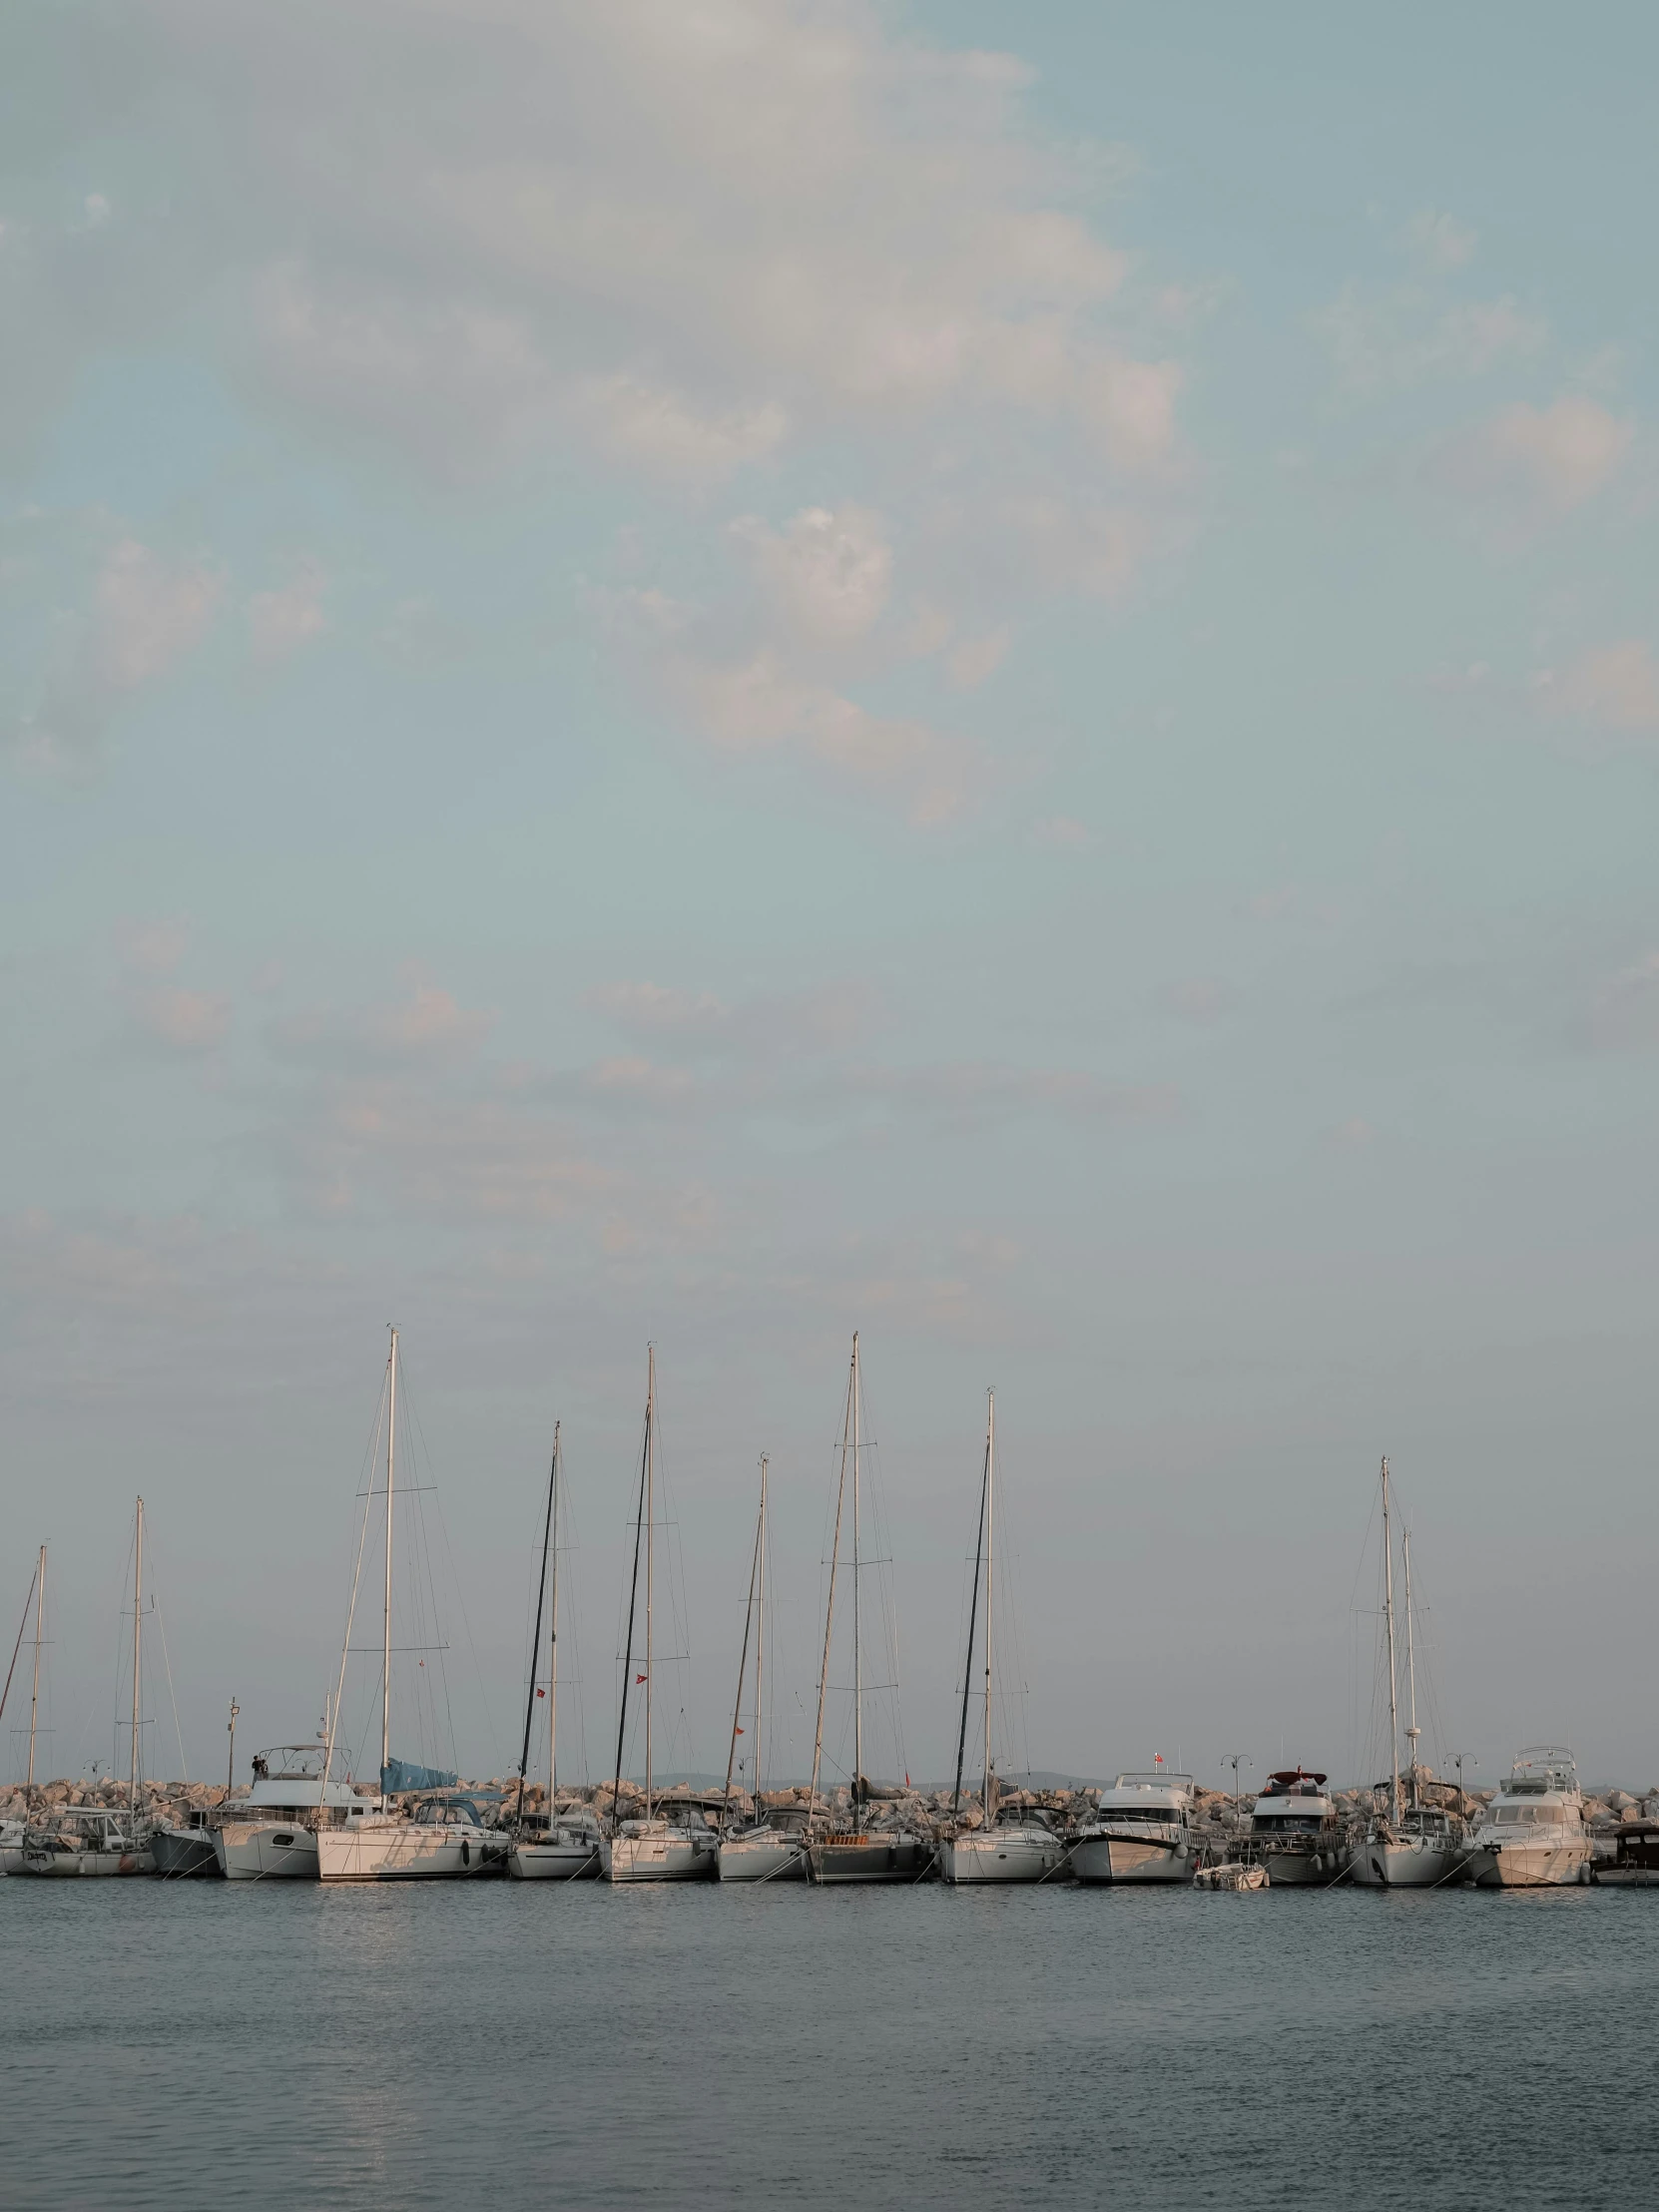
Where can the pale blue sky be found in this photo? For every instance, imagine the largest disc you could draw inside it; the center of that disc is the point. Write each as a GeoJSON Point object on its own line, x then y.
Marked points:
{"type": "Point", "coordinates": [985, 674]}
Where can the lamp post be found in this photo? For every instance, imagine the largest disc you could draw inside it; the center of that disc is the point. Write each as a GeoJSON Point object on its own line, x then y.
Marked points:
{"type": "Point", "coordinates": [231, 1763]}
{"type": "Point", "coordinates": [1236, 1760]}
{"type": "Point", "coordinates": [1458, 1759]}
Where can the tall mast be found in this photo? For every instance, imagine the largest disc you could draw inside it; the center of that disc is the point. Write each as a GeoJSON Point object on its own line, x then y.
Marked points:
{"type": "Point", "coordinates": [650, 1546]}
{"type": "Point", "coordinates": [759, 1630]}
{"type": "Point", "coordinates": [991, 1522]}
{"type": "Point", "coordinates": [535, 1637]}
{"type": "Point", "coordinates": [743, 1655]}
{"type": "Point", "coordinates": [829, 1606]}
{"type": "Point", "coordinates": [34, 1693]}
{"type": "Point", "coordinates": [386, 1655]}
{"type": "Point", "coordinates": [553, 1649]}
{"type": "Point", "coordinates": [1388, 1617]}
{"type": "Point", "coordinates": [858, 1639]}
{"type": "Point", "coordinates": [1413, 1731]}
{"type": "Point", "coordinates": [137, 1617]}
{"type": "Point", "coordinates": [973, 1623]}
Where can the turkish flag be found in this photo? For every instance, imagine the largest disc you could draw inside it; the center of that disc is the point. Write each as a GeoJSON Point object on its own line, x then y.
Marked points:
{"type": "Point", "coordinates": [639, 1678]}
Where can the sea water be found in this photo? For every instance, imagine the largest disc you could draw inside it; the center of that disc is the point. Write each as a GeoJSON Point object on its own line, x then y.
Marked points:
{"type": "Point", "coordinates": [199, 2043]}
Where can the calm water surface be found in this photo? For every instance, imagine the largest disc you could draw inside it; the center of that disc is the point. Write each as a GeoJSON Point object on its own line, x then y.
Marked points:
{"type": "Point", "coordinates": [197, 2043]}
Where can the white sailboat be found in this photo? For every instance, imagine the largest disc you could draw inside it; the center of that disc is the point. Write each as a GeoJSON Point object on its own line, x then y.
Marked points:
{"type": "Point", "coordinates": [1012, 1845]}
{"type": "Point", "coordinates": [773, 1846]}
{"type": "Point", "coordinates": [78, 1840]}
{"type": "Point", "coordinates": [14, 1832]}
{"type": "Point", "coordinates": [652, 1849]}
{"type": "Point", "coordinates": [1532, 1835]}
{"type": "Point", "coordinates": [865, 1850]}
{"type": "Point", "coordinates": [1411, 1846]}
{"type": "Point", "coordinates": [556, 1846]}
{"type": "Point", "coordinates": [444, 1837]}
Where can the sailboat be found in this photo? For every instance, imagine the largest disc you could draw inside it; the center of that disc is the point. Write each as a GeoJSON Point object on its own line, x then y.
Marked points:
{"type": "Point", "coordinates": [866, 1850]}
{"type": "Point", "coordinates": [1409, 1845]}
{"type": "Point", "coordinates": [13, 1833]}
{"type": "Point", "coordinates": [652, 1849]}
{"type": "Point", "coordinates": [446, 1837]}
{"type": "Point", "coordinates": [772, 1848]}
{"type": "Point", "coordinates": [1012, 1845]}
{"type": "Point", "coordinates": [555, 1847]}
{"type": "Point", "coordinates": [83, 1841]}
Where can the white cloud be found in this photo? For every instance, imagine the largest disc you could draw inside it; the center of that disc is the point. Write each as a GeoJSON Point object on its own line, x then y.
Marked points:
{"type": "Point", "coordinates": [1439, 240]}
{"type": "Point", "coordinates": [1409, 334]}
{"type": "Point", "coordinates": [426, 1026]}
{"type": "Point", "coordinates": [1534, 459]}
{"type": "Point", "coordinates": [1615, 687]}
{"type": "Point", "coordinates": [970, 663]}
{"type": "Point", "coordinates": [183, 1021]}
{"type": "Point", "coordinates": [280, 621]}
{"type": "Point", "coordinates": [658, 431]}
{"type": "Point", "coordinates": [827, 576]}
{"type": "Point", "coordinates": [155, 947]}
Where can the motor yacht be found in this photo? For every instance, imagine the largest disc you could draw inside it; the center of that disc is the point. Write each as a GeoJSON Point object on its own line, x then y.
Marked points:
{"type": "Point", "coordinates": [684, 1849]}
{"type": "Point", "coordinates": [1293, 1831]}
{"type": "Point", "coordinates": [1635, 1860]}
{"type": "Point", "coordinates": [1533, 1835]}
{"type": "Point", "coordinates": [271, 1834]}
{"type": "Point", "coordinates": [1143, 1831]}
{"type": "Point", "coordinates": [558, 1847]}
{"type": "Point", "coordinates": [772, 1849]}
{"type": "Point", "coordinates": [1019, 1845]}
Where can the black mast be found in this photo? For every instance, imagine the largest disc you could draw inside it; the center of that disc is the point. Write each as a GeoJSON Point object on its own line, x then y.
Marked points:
{"type": "Point", "coordinates": [974, 1615]}
{"type": "Point", "coordinates": [535, 1644]}
{"type": "Point", "coordinates": [633, 1596]}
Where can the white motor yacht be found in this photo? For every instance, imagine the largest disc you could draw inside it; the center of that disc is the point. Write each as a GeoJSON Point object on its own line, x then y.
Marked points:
{"type": "Point", "coordinates": [1143, 1831]}
{"type": "Point", "coordinates": [684, 1849]}
{"type": "Point", "coordinates": [1533, 1835]}
{"type": "Point", "coordinates": [441, 1838]}
{"type": "Point", "coordinates": [773, 1849]}
{"type": "Point", "coordinates": [563, 1847]}
{"type": "Point", "coordinates": [271, 1834]}
{"type": "Point", "coordinates": [1019, 1845]}
{"type": "Point", "coordinates": [1293, 1831]}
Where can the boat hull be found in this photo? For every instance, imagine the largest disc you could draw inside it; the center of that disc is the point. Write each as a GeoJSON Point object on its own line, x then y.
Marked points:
{"type": "Point", "coordinates": [1114, 1859]}
{"type": "Point", "coordinates": [1397, 1863]}
{"type": "Point", "coordinates": [1530, 1866]}
{"type": "Point", "coordinates": [675, 1856]}
{"type": "Point", "coordinates": [1305, 1870]}
{"type": "Point", "coordinates": [181, 1853]}
{"type": "Point", "coordinates": [763, 1859]}
{"type": "Point", "coordinates": [406, 1851]}
{"type": "Point", "coordinates": [77, 1866]}
{"type": "Point", "coordinates": [266, 1850]}
{"type": "Point", "coordinates": [1005, 1856]}
{"type": "Point", "coordinates": [1626, 1877]}
{"type": "Point", "coordinates": [555, 1862]}
{"type": "Point", "coordinates": [863, 1859]}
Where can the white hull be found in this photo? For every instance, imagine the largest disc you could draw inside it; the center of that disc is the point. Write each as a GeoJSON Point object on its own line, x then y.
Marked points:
{"type": "Point", "coordinates": [673, 1856]}
{"type": "Point", "coordinates": [266, 1850]}
{"type": "Point", "coordinates": [1131, 1858]}
{"type": "Point", "coordinates": [1627, 1878]}
{"type": "Point", "coordinates": [403, 1851]}
{"type": "Point", "coordinates": [763, 1857]}
{"type": "Point", "coordinates": [1406, 1863]}
{"type": "Point", "coordinates": [77, 1864]}
{"type": "Point", "coordinates": [1530, 1866]}
{"type": "Point", "coordinates": [1007, 1855]}
{"type": "Point", "coordinates": [575, 1861]}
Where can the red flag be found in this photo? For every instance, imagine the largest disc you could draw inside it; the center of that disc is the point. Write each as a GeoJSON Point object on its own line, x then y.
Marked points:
{"type": "Point", "coordinates": [639, 1678]}
{"type": "Point", "coordinates": [907, 1778]}
{"type": "Point", "coordinates": [740, 1731]}
{"type": "Point", "coordinates": [541, 1693]}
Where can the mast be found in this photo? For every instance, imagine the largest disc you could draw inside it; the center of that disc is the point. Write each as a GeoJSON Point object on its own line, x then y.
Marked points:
{"type": "Point", "coordinates": [386, 1655]}
{"type": "Point", "coordinates": [991, 1522]}
{"type": "Point", "coordinates": [1388, 1617]}
{"type": "Point", "coordinates": [857, 1638]}
{"type": "Point", "coordinates": [829, 1607]}
{"type": "Point", "coordinates": [1413, 1731]}
{"type": "Point", "coordinates": [973, 1622]}
{"type": "Point", "coordinates": [553, 1649]}
{"type": "Point", "coordinates": [743, 1656]}
{"type": "Point", "coordinates": [34, 1693]}
{"type": "Point", "coordinates": [759, 1630]}
{"type": "Point", "coordinates": [535, 1639]}
{"type": "Point", "coordinates": [650, 1546]}
{"type": "Point", "coordinates": [138, 1618]}
{"type": "Point", "coordinates": [633, 1601]}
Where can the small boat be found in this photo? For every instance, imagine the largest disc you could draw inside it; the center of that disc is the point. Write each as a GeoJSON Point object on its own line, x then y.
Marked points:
{"type": "Point", "coordinates": [78, 1842]}
{"type": "Point", "coordinates": [14, 1834]}
{"type": "Point", "coordinates": [185, 1848]}
{"type": "Point", "coordinates": [652, 1847]}
{"type": "Point", "coordinates": [271, 1834]}
{"type": "Point", "coordinates": [1533, 1835]}
{"type": "Point", "coordinates": [441, 1838]}
{"type": "Point", "coordinates": [562, 1845]}
{"type": "Point", "coordinates": [1635, 1860]}
{"type": "Point", "coordinates": [1143, 1831]}
{"type": "Point", "coordinates": [1294, 1833]}
{"type": "Point", "coordinates": [773, 1849]}
{"type": "Point", "coordinates": [1235, 1874]}
{"type": "Point", "coordinates": [550, 1846]}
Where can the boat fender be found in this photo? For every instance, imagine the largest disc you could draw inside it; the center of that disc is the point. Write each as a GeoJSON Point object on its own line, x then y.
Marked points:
{"type": "Point", "coordinates": [466, 1853]}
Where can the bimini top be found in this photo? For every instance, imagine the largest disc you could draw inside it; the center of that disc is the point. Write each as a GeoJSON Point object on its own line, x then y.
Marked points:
{"type": "Point", "coordinates": [1541, 1767]}
{"type": "Point", "coordinates": [1294, 1782]}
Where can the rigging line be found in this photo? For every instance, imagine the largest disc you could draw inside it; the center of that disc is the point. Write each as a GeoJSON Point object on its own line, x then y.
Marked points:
{"type": "Point", "coordinates": [167, 1663]}
{"type": "Point", "coordinates": [425, 1456]}
{"type": "Point", "coordinates": [633, 1595]}
{"type": "Point", "coordinates": [974, 1611]}
{"type": "Point", "coordinates": [18, 1646]}
{"type": "Point", "coordinates": [352, 1609]}
{"type": "Point", "coordinates": [535, 1641]}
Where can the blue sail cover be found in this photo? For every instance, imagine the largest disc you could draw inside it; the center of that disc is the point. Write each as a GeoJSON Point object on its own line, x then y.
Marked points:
{"type": "Point", "coordinates": [399, 1774]}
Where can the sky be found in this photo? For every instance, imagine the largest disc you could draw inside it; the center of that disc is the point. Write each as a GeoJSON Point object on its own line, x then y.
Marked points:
{"type": "Point", "coordinates": [716, 675]}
